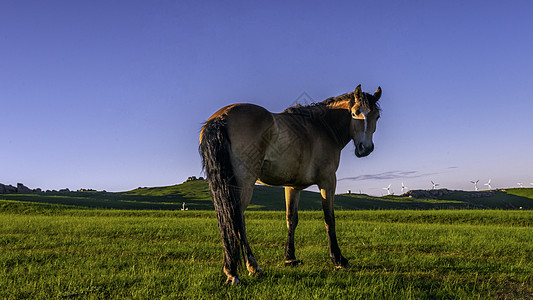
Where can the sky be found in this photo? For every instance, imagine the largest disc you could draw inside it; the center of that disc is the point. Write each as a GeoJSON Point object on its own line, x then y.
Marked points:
{"type": "Point", "coordinates": [111, 95]}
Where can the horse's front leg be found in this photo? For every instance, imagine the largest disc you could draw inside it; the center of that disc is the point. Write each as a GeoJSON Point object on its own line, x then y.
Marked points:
{"type": "Point", "coordinates": [292, 196]}
{"type": "Point", "coordinates": [327, 191]}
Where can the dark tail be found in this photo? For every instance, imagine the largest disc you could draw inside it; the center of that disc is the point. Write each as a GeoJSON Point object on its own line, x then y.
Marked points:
{"type": "Point", "coordinates": [215, 151]}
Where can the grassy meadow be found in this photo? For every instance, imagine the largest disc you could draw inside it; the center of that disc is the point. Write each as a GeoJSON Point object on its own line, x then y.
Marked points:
{"type": "Point", "coordinates": [52, 251]}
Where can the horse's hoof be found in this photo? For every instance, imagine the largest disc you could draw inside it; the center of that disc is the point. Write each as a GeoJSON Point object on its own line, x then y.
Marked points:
{"type": "Point", "coordinates": [257, 272]}
{"type": "Point", "coordinates": [293, 262]}
{"type": "Point", "coordinates": [344, 264]}
{"type": "Point", "coordinates": [234, 280]}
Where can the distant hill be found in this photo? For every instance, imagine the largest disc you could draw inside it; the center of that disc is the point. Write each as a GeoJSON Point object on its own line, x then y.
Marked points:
{"type": "Point", "coordinates": [195, 194]}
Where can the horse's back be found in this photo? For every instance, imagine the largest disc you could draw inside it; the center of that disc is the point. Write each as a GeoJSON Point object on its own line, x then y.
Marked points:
{"type": "Point", "coordinates": [242, 119]}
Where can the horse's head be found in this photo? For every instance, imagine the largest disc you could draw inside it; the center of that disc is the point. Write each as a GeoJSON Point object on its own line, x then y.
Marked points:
{"type": "Point", "coordinates": [365, 114]}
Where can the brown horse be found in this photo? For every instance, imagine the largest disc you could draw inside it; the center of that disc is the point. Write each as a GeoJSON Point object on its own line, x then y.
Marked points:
{"type": "Point", "coordinates": [242, 144]}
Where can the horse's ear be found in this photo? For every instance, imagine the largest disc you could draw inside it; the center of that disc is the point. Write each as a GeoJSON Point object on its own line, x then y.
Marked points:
{"type": "Point", "coordinates": [358, 93]}
{"type": "Point", "coordinates": [377, 94]}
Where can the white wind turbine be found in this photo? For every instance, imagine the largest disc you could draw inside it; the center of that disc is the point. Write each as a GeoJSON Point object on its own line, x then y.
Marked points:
{"type": "Point", "coordinates": [388, 189]}
{"type": "Point", "coordinates": [475, 184]}
{"type": "Point", "coordinates": [403, 188]}
{"type": "Point", "coordinates": [488, 184]}
{"type": "Point", "coordinates": [435, 185]}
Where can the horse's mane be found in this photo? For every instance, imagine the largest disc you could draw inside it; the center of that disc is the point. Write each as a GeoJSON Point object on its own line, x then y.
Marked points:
{"type": "Point", "coordinates": [368, 101]}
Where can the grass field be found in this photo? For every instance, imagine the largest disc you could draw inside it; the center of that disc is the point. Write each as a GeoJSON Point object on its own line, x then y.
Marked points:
{"type": "Point", "coordinates": [59, 252]}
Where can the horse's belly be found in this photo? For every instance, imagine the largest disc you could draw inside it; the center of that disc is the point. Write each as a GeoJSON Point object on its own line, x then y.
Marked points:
{"type": "Point", "coordinates": [285, 173]}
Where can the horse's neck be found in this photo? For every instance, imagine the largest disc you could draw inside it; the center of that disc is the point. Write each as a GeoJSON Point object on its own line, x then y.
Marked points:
{"type": "Point", "coordinates": [337, 121]}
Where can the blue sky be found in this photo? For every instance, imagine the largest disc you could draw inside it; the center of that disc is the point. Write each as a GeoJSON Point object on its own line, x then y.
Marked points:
{"type": "Point", "coordinates": [112, 94]}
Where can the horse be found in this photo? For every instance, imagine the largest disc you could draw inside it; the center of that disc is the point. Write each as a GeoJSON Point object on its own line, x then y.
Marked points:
{"type": "Point", "coordinates": [243, 144]}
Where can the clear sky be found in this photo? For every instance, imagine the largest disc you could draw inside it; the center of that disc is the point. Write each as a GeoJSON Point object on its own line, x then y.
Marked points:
{"type": "Point", "coordinates": [112, 94]}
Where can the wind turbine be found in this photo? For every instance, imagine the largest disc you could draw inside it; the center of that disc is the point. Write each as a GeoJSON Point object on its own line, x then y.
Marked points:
{"type": "Point", "coordinates": [388, 189]}
{"type": "Point", "coordinates": [475, 184]}
{"type": "Point", "coordinates": [403, 188]}
{"type": "Point", "coordinates": [435, 185]}
{"type": "Point", "coordinates": [488, 184]}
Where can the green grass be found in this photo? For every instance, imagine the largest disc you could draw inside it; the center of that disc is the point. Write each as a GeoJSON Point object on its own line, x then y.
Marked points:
{"type": "Point", "coordinates": [50, 251]}
{"type": "Point", "coordinates": [521, 192]}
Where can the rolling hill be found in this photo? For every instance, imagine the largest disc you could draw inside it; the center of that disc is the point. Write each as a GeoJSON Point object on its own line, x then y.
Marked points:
{"type": "Point", "coordinates": [195, 195]}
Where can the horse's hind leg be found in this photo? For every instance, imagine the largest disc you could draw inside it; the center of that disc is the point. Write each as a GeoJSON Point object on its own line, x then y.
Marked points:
{"type": "Point", "coordinates": [292, 197]}
{"type": "Point", "coordinates": [246, 166]}
{"type": "Point", "coordinates": [251, 262]}
{"type": "Point", "coordinates": [250, 133]}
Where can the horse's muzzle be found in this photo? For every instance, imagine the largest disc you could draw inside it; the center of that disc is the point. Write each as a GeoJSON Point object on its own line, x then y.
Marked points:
{"type": "Point", "coordinates": [362, 150]}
